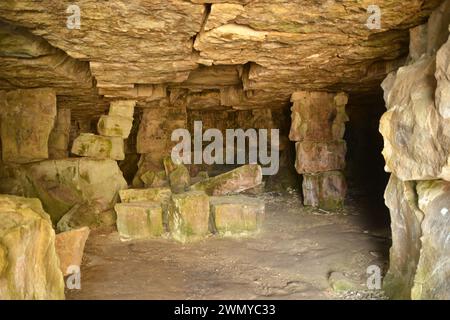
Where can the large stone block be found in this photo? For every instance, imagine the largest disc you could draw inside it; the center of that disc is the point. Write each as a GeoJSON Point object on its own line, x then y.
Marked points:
{"type": "Point", "coordinates": [149, 194]}
{"type": "Point", "coordinates": [114, 126]}
{"type": "Point", "coordinates": [315, 131]}
{"type": "Point", "coordinates": [122, 108]}
{"type": "Point", "coordinates": [27, 118]}
{"type": "Point", "coordinates": [235, 214]}
{"type": "Point", "coordinates": [324, 190]}
{"type": "Point", "coordinates": [313, 157]}
{"type": "Point", "coordinates": [99, 147]}
{"type": "Point", "coordinates": [179, 179]}
{"type": "Point", "coordinates": [29, 265]}
{"type": "Point", "coordinates": [432, 280]}
{"type": "Point", "coordinates": [70, 247]}
{"type": "Point", "coordinates": [234, 181]}
{"type": "Point", "coordinates": [189, 216]}
{"type": "Point", "coordinates": [58, 143]}
{"type": "Point", "coordinates": [60, 184]}
{"type": "Point", "coordinates": [139, 220]}
{"type": "Point", "coordinates": [406, 218]}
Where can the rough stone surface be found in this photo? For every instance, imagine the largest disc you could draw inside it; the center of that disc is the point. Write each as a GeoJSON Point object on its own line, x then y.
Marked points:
{"type": "Point", "coordinates": [92, 214]}
{"type": "Point", "coordinates": [27, 118]}
{"type": "Point", "coordinates": [148, 194]}
{"type": "Point", "coordinates": [139, 220]}
{"type": "Point", "coordinates": [189, 216]}
{"type": "Point", "coordinates": [122, 108]}
{"type": "Point", "coordinates": [152, 179]}
{"type": "Point", "coordinates": [70, 247]}
{"type": "Point", "coordinates": [98, 147]}
{"type": "Point", "coordinates": [406, 219]}
{"type": "Point", "coordinates": [114, 126]}
{"type": "Point", "coordinates": [325, 190]}
{"type": "Point", "coordinates": [58, 142]}
{"type": "Point", "coordinates": [234, 181]}
{"type": "Point", "coordinates": [29, 265]}
{"type": "Point", "coordinates": [314, 157]}
{"type": "Point", "coordinates": [179, 179]}
{"type": "Point", "coordinates": [432, 280]}
{"type": "Point", "coordinates": [60, 184]}
{"type": "Point", "coordinates": [235, 214]}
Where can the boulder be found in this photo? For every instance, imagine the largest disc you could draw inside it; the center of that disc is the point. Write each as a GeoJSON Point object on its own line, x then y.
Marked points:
{"type": "Point", "coordinates": [60, 184]}
{"type": "Point", "coordinates": [29, 265]}
{"type": "Point", "coordinates": [27, 117]}
{"type": "Point", "coordinates": [98, 147]}
{"type": "Point", "coordinates": [314, 157]}
{"type": "Point", "coordinates": [432, 280]}
{"type": "Point", "coordinates": [234, 181]}
{"type": "Point", "coordinates": [325, 190]}
{"type": "Point", "coordinates": [406, 218]}
{"type": "Point", "coordinates": [70, 247]}
{"type": "Point", "coordinates": [188, 216]}
{"type": "Point", "coordinates": [139, 220]}
{"type": "Point", "coordinates": [114, 126]}
{"type": "Point", "coordinates": [235, 214]}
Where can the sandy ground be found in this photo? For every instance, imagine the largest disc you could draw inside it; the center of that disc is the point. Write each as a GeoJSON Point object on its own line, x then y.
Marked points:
{"type": "Point", "coordinates": [292, 257]}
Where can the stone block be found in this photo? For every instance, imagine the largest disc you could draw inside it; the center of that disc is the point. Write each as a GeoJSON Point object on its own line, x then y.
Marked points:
{"type": "Point", "coordinates": [324, 190]}
{"type": "Point", "coordinates": [70, 247]}
{"type": "Point", "coordinates": [235, 214]}
{"type": "Point", "coordinates": [139, 220]}
{"type": "Point", "coordinates": [314, 157]}
{"type": "Point", "coordinates": [149, 194]}
{"type": "Point", "coordinates": [179, 179]}
{"type": "Point", "coordinates": [114, 126]}
{"type": "Point", "coordinates": [98, 147]}
{"type": "Point", "coordinates": [122, 108]}
{"type": "Point", "coordinates": [188, 216]}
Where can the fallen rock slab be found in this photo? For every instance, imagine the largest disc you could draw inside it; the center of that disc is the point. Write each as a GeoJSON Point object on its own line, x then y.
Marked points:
{"type": "Point", "coordinates": [234, 181]}
{"type": "Point", "coordinates": [149, 194]}
{"type": "Point", "coordinates": [70, 248]}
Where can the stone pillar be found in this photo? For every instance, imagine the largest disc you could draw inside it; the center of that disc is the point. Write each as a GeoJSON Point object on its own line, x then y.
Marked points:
{"type": "Point", "coordinates": [318, 126]}
{"type": "Point", "coordinates": [113, 129]}
{"type": "Point", "coordinates": [27, 118]}
{"type": "Point", "coordinates": [58, 143]}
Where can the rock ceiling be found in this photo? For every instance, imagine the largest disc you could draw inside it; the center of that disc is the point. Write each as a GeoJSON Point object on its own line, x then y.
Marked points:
{"type": "Point", "coordinates": [211, 54]}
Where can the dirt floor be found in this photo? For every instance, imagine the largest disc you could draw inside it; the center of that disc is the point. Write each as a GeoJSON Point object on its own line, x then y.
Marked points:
{"type": "Point", "coordinates": [292, 257]}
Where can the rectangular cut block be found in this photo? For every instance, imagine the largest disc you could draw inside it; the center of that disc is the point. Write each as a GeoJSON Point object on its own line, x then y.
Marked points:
{"type": "Point", "coordinates": [98, 147]}
{"type": "Point", "coordinates": [122, 108]}
{"type": "Point", "coordinates": [70, 247]}
{"type": "Point", "coordinates": [149, 194]}
{"type": "Point", "coordinates": [189, 216]}
{"type": "Point", "coordinates": [314, 157]}
{"type": "Point", "coordinates": [115, 126]}
{"type": "Point", "coordinates": [315, 131]}
{"type": "Point", "coordinates": [235, 214]}
{"type": "Point", "coordinates": [27, 118]}
{"type": "Point", "coordinates": [139, 220]}
{"type": "Point", "coordinates": [237, 180]}
{"type": "Point", "coordinates": [324, 190]}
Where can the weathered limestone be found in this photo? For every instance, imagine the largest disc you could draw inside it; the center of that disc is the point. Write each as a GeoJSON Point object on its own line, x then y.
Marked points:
{"type": "Point", "coordinates": [29, 265]}
{"type": "Point", "coordinates": [406, 219]}
{"type": "Point", "coordinates": [114, 126]}
{"type": "Point", "coordinates": [317, 127]}
{"type": "Point", "coordinates": [188, 216]}
{"type": "Point", "coordinates": [27, 117]}
{"type": "Point", "coordinates": [152, 179]}
{"type": "Point", "coordinates": [179, 179]}
{"type": "Point", "coordinates": [432, 280]}
{"type": "Point", "coordinates": [149, 194]}
{"type": "Point", "coordinates": [325, 190]}
{"type": "Point", "coordinates": [98, 147]}
{"type": "Point", "coordinates": [60, 184]}
{"type": "Point", "coordinates": [122, 108]}
{"type": "Point", "coordinates": [70, 247]}
{"type": "Point", "coordinates": [139, 220]}
{"type": "Point", "coordinates": [58, 143]}
{"type": "Point", "coordinates": [235, 214]}
{"type": "Point", "coordinates": [234, 181]}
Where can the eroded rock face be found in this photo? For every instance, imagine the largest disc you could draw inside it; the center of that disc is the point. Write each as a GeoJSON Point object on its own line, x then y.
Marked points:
{"type": "Point", "coordinates": [27, 118]}
{"type": "Point", "coordinates": [432, 280]}
{"type": "Point", "coordinates": [406, 219]}
{"type": "Point", "coordinates": [29, 265]}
